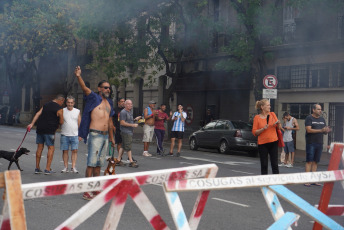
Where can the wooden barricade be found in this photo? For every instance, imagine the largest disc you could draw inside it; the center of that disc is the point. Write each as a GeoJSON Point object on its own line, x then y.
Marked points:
{"type": "Point", "coordinates": [114, 188]}
{"type": "Point", "coordinates": [271, 187]}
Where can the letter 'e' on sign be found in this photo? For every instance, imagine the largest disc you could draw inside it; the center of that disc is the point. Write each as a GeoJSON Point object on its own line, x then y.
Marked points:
{"type": "Point", "coordinates": [270, 81]}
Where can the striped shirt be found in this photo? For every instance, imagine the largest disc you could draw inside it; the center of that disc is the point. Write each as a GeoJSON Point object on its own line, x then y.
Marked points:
{"type": "Point", "coordinates": [178, 125]}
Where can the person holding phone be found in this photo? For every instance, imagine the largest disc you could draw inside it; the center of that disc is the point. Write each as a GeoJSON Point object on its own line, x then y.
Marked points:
{"type": "Point", "coordinates": [315, 130]}
{"type": "Point", "coordinates": [289, 126]}
{"type": "Point", "coordinates": [177, 131]}
{"type": "Point", "coordinates": [264, 127]}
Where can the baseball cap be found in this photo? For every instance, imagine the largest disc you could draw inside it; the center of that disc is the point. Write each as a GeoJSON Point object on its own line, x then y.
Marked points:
{"type": "Point", "coordinates": [152, 102]}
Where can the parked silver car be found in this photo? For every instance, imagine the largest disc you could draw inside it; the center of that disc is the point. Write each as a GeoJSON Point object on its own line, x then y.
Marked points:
{"type": "Point", "coordinates": [225, 135]}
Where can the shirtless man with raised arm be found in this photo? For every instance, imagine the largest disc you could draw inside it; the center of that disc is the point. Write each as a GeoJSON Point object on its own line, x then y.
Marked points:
{"type": "Point", "coordinates": [96, 123]}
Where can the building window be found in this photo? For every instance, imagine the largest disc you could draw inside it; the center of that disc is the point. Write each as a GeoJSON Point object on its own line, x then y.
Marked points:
{"type": "Point", "coordinates": [300, 110]}
{"type": "Point", "coordinates": [325, 75]}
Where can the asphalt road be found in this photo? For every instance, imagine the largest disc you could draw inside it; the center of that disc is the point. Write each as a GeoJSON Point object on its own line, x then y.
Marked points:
{"type": "Point", "coordinates": [225, 209]}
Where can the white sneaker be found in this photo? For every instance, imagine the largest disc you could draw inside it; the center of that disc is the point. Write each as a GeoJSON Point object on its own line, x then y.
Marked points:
{"type": "Point", "coordinates": [146, 154]}
{"type": "Point", "coordinates": [289, 165]}
{"type": "Point", "coordinates": [65, 170]}
{"type": "Point", "coordinates": [73, 170]}
{"type": "Point", "coordinates": [282, 165]}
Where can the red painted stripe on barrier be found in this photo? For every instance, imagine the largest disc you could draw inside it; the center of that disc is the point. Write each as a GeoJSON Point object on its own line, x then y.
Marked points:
{"type": "Point", "coordinates": [66, 228]}
{"type": "Point", "coordinates": [113, 192]}
{"type": "Point", "coordinates": [125, 186]}
{"type": "Point", "coordinates": [120, 191]}
{"type": "Point", "coordinates": [135, 190]}
{"type": "Point", "coordinates": [158, 223]}
{"type": "Point", "coordinates": [176, 176]}
{"type": "Point", "coordinates": [338, 175]}
{"type": "Point", "coordinates": [142, 179]}
{"type": "Point", "coordinates": [201, 204]}
{"type": "Point", "coordinates": [326, 192]}
{"type": "Point", "coordinates": [335, 211]}
{"type": "Point", "coordinates": [55, 190]}
{"type": "Point", "coordinates": [6, 224]}
{"type": "Point", "coordinates": [108, 183]}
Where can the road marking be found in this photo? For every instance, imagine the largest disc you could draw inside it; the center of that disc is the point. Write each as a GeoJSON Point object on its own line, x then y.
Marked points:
{"type": "Point", "coordinates": [187, 163]}
{"type": "Point", "coordinates": [220, 162]}
{"type": "Point", "coordinates": [13, 149]}
{"type": "Point", "coordinates": [242, 172]}
{"type": "Point", "coordinates": [231, 202]}
{"type": "Point", "coordinates": [159, 158]}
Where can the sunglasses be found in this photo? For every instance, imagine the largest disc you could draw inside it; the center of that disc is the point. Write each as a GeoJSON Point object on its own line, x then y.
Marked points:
{"type": "Point", "coordinates": [106, 87]}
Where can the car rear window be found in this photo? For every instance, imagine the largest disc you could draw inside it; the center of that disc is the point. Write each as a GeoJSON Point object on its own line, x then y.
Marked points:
{"type": "Point", "coordinates": [241, 125]}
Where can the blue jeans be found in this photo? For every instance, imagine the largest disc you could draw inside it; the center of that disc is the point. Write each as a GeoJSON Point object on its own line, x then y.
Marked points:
{"type": "Point", "coordinates": [67, 141]}
{"type": "Point", "coordinates": [313, 152]}
{"type": "Point", "coordinates": [97, 147]}
{"type": "Point", "coordinates": [48, 139]}
{"type": "Point", "coordinates": [159, 133]}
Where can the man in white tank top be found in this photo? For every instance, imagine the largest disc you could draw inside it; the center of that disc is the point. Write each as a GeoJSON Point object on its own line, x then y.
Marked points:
{"type": "Point", "coordinates": [69, 134]}
{"type": "Point", "coordinates": [289, 126]}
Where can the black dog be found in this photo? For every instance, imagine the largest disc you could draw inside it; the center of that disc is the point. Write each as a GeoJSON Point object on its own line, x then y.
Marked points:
{"type": "Point", "coordinates": [13, 157]}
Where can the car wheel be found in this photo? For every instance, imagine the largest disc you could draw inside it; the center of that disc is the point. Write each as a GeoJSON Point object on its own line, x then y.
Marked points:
{"type": "Point", "coordinates": [224, 147]}
{"type": "Point", "coordinates": [253, 153]}
{"type": "Point", "coordinates": [193, 144]}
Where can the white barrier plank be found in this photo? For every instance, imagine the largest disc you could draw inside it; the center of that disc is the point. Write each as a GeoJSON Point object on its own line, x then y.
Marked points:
{"type": "Point", "coordinates": [147, 208]}
{"type": "Point", "coordinates": [116, 209]}
{"type": "Point", "coordinates": [273, 203]}
{"type": "Point", "coordinates": [305, 207]}
{"type": "Point", "coordinates": [92, 206]}
{"type": "Point", "coordinates": [63, 187]}
{"type": "Point", "coordinates": [285, 221]}
{"type": "Point", "coordinates": [220, 183]}
{"type": "Point", "coordinates": [177, 211]}
{"type": "Point", "coordinates": [200, 203]}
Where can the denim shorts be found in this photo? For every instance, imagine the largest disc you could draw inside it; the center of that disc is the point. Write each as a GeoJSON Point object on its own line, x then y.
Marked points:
{"type": "Point", "coordinates": [66, 141]}
{"type": "Point", "coordinates": [48, 139]}
{"type": "Point", "coordinates": [97, 148]}
{"type": "Point", "coordinates": [313, 152]}
{"type": "Point", "coordinates": [289, 147]}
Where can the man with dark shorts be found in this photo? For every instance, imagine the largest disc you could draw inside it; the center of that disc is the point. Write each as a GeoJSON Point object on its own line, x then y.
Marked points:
{"type": "Point", "coordinates": [315, 129]}
{"type": "Point", "coordinates": [96, 124]}
{"type": "Point", "coordinates": [127, 127]}
{"type": "Point", "coordinates": [49, 117]}
{"type": "Point", "coordinates": [115, 120]}
{"type": "Point", "coordinates": [177, 131]}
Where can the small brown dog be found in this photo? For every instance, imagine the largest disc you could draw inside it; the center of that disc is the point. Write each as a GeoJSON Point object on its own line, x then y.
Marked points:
{"type": "Point", "coordinates": [110, 170]}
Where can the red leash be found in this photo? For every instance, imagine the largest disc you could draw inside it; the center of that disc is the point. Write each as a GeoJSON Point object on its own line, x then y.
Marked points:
{"type": "Point", "coordinates": [27, 130]}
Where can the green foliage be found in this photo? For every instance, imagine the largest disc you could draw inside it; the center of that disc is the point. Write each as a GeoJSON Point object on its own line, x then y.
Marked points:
{"type": "Point", "coordinates": [133, 37]}
{"type": "Point", "coordinates": [30, 29]}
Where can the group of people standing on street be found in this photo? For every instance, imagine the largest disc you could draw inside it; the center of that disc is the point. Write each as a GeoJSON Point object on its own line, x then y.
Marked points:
{"type": "Point", "coordinates": [265, 126]}
{"type": "Point", "coordinates": [99, 124]}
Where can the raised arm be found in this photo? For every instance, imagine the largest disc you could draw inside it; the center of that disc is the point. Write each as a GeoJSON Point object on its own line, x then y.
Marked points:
{"type": "Point", "coordinates": [84, 88]}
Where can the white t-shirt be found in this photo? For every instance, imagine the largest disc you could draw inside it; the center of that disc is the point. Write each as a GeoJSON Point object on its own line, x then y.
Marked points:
{"type": "Point", "coordinates": [70, 124]}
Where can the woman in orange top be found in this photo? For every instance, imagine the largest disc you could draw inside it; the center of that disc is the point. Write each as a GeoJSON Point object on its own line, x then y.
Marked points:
{"type": "Point", "coordinates": [264, 126]}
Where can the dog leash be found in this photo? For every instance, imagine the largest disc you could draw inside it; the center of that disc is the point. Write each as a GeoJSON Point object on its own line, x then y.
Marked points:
{"type": "Point", "coordinates": [27, 130]}
{"type": "Point", "coordinates": [113, 151]}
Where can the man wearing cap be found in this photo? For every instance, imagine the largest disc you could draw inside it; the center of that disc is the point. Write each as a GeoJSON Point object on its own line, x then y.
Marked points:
{"type": "Point", "coordinates": [148, 127]}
